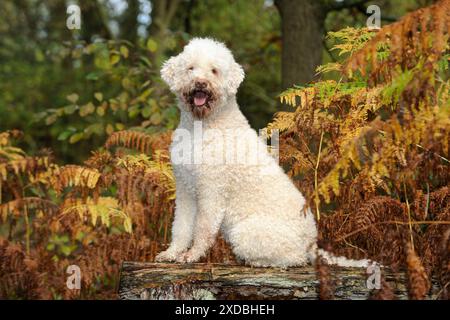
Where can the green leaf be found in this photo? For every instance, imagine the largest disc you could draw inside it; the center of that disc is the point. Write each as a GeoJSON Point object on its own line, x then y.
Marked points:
{"type": "Point", "coordinates": [51, 119]}
{"type": "Point", "coordinates": [109, 129]}
{"type": "Point", "coordinates": [92, 76]}
{"type": "Point", "coordinates": [133, 111]}
{"type": "Point", "coordinates": [80, 235]}
{"type": "Point", "coordinates": [102, 60]}
{"type": "Point", "coordinates": [72, 97]}
{"type": "Point", "coordinates": [40, 116]}
{"type": "Point", "coordinates": [156, 118]}
{"type": "Point", "coordinates": [143, 96]}
{"type": "Point", "coordinates": [90, 48]}
{"type": "Point", "coordinates": [145, 84]}
{"type": "Point", "coordinates": [96, 128]}
{"type": "Point", "coordinates": [152, 46]}
{"type": "Point", "coordinates": [76, 137]}
{"type": "Point", "coordinates": [70, 109]}
{"type": "Point", "coordinates": [39, 55]}
{"type": "Point", "coordinates": [101, 111]}
{"type": "Point", "coordinates": [114, 59]}
{"type": "Point", "coordinates": [126, 83]}
{"type": "Point", "coordinates": [87, 109]}
{"type": "Point", "coordinates": [124, 51]}
{"type": "Point", "coordinates": [146, 111]}
{"type": "Point", "coordinates": [98, 96]}
{"type": "Point", "coordinates": [66, 250]}
{"type": "Point", "coordinates": [146, 61]}
{"type": "Point", "coordinates": [59, 112]}
{"type": "Point", "coordinates": [64, 135]}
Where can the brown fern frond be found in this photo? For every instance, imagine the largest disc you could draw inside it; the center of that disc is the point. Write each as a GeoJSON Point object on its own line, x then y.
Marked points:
{"type": "Point", "coordinates": [147, 176]}
{"type": "Point", "coordinates": [136, 140]}
{"type": "Point", "coordinates": [99, 160]}
{"type": "Point", "coordinates": [444, 267]}
{"type": "Point", "coordinates": [368, 230]}
{"type": "Point", "coordinates": [75, 176]}
{"type": "Point", "coordinates": [27, 165]}
{"type": "Point", "coordinates": [379, 209]}
{"type": "Point", "coordinates": [19, 275]}
{"type": "Point", "coordinates": [6, 136]}
{"type": "Point", "coordinates": [435, 206]}
{"type": "Point", "coordinates": [16, 207]}
{"type": "Point", "coordinates": [105, 209]}
{"type": "Point", "coordinates": [423, 32]}
{"type": "Point", "coordinates": [418, 282]}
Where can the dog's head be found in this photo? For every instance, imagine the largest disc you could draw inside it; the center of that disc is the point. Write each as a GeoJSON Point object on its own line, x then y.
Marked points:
{"type": "Point", "coordinates": [204, 75]}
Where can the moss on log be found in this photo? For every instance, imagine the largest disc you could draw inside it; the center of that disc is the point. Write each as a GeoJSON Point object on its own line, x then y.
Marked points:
{"type": "Point", "coordinates": [200, 281]}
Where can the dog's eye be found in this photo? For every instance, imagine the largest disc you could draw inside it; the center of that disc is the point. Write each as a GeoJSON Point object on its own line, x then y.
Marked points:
{"type": "Point", "coordinates": [191, 68]}
{"type": "Point", "coordinates": [214, 71]}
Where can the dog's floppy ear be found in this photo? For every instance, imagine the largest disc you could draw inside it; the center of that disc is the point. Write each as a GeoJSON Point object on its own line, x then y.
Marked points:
{"type": "Point", "coordinates": [236, 75]}
{"type": "Point", "coordinates": [168, 71]}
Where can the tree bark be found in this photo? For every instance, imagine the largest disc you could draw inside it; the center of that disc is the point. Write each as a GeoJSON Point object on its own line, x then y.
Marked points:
{"type": "Point", "coordinates": [93, 20]}
{"type": "Point", "coordinates": [162, 14]}
{"type": "Point", "coordinates": [129, 23]}
{"type": "Point", "coordinates": [199, 281]}
{"type": "Point", "coordinates": [302, 27]}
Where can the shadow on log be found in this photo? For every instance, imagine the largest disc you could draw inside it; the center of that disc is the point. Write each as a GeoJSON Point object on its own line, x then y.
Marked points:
{"type": "Point", "coordinates": [200, 281]}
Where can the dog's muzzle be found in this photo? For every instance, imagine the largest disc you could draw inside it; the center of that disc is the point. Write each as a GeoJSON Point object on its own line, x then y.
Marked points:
{"type": "Point", "coordinates": [200, 99]}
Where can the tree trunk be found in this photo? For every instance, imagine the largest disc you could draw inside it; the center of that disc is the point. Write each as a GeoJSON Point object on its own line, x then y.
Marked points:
{"type": "Point", "coordinates": [162, 14]}
{"type": "Point", "coordinates": [200, 281]}
{"type": "Point", "coordinates": [93, 20]}
{"type": "Point", "coordinates": [129, 23]}
{"type": "Point", "coordinates": [302, 27]}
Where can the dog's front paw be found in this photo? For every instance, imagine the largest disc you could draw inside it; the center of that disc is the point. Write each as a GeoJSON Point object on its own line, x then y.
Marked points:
{"type": "Point", "coordinates": [189, 257]}
{"type": "Point", "coordinates": [167, 256]}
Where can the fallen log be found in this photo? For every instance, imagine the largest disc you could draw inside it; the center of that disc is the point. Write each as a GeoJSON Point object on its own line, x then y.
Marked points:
{"type": "Point", "coordinates": [200, 281]}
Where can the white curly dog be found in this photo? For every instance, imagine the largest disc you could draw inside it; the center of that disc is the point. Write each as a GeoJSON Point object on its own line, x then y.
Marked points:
{"type": "Point", "coordinates": [226, 180]}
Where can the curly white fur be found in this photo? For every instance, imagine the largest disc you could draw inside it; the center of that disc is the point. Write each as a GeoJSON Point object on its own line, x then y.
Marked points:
{"type": "Point", "coordinates": [255, 205]}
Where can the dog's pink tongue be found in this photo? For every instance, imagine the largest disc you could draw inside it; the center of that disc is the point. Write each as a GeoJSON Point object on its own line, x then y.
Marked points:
{"type": "Point", "coordinates": [199, 99]}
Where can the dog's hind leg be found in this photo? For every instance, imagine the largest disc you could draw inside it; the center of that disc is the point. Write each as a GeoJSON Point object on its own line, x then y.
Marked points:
{"type": "Point", "coordinates": [266, 241]}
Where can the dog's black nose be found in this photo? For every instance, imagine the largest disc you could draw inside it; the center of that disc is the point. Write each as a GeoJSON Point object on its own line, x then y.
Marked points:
{"type": "Point", "coordinates": [200, 84]}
